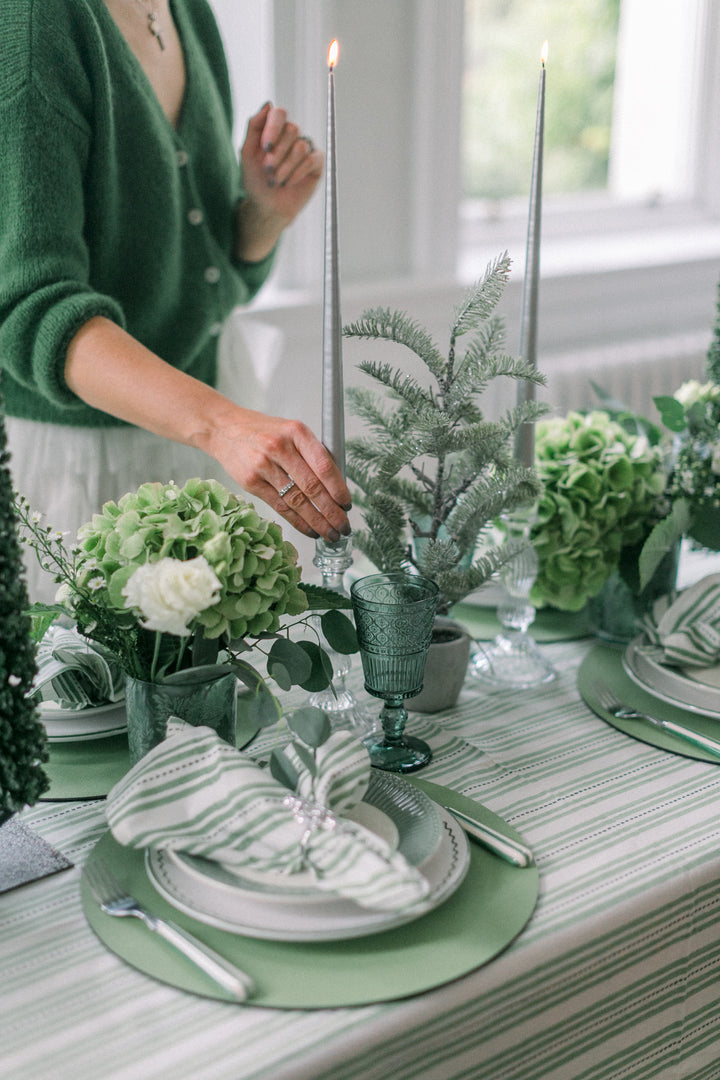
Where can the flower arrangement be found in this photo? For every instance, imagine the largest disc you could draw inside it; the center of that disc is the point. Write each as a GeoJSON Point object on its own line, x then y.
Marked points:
{"type": "Point", "coordinates": [693, 415]}
{"type": "Point", "coordinates": [171, 578]}
{"type": "Point", "coordinates": [603, 491]}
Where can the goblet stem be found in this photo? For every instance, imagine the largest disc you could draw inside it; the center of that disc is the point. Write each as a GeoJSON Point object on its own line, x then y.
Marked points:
{"type": "Point", "coordinates": [393, 717]}
{"type": "Point", "coordinates": [397, 752]}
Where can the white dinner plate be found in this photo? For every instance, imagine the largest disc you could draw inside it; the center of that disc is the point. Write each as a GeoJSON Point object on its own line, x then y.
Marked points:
{"type": "Point", "coordinates": [210, 894]}
{"type": "Point", "coordinates": [643, 662]}
{"type": "Point", "coordinates": [73, 725]}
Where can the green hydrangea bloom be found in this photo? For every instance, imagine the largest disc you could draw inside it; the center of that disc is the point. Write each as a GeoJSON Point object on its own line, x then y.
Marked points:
{"type": "Point", "coordinates": [601, 487]}
{"type": "Point", "coordinates": [257, 568]}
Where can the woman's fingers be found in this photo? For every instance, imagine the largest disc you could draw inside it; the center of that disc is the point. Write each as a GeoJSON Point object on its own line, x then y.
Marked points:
{"type": "Point", "coordinates": [283, 463]}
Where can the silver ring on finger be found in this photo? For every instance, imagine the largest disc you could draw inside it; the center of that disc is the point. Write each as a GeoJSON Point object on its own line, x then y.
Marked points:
{"type": "Point", "coordinates": [308, 140]}
{"type": "Point", "coordinates": [288, 487]}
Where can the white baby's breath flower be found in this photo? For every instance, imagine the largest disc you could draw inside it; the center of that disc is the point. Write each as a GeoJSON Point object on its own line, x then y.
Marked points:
{"type": "Point", "coordinates": [170, 593]}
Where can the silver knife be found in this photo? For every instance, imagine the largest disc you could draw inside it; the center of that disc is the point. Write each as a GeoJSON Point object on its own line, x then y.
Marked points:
{"type": "Point", "coordinates": [505, 847]}
{"type": "Point", "coordinates": [511, 850]}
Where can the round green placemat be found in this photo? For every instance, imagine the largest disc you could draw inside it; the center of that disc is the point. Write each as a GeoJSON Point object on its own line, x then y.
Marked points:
{"type": "Point", "coordinates": [88, 768]}
{"type": "Point", "coordinates": [482, 918]}
{"type": "Point", "coordinates": [550, 625]}
{"type": "Point", "coordinates": [603, 666]}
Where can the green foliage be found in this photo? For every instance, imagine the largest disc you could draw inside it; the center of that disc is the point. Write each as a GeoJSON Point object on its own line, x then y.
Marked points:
{"type": "Point", "coordinates": [22, 736]}
{"type": "Point", "coordinates": [435, 471]}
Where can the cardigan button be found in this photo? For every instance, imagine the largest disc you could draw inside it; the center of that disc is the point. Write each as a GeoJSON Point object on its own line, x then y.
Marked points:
{"type": "Point", "coordinates": [212, 275]}
{"type": "Point", "coordinates": [215, 329]}
{"type": "Point", "coordinates": [195, 216]}
{"type": "Point", "coordinates": [182, 157]}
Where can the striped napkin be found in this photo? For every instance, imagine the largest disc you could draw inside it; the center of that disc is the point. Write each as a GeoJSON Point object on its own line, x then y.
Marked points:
{"type": "Point", "coordinates": [197, 794]}
{"type": "Point", "coordinates": [687, 625]}
{"type": "Point", "coordinates": [75, 673]}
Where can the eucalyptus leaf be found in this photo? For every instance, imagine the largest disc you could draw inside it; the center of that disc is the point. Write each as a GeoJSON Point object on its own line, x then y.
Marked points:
{"type": "Point", "coordinates": [339, 632]}
{"type": "Point", "coordinates": [672, 412]}
{"type": "Point", "coordinates": [322, 668]}
{"type": "Point", "coordinates": [306, 756]}
{"type": "Point", "coordinates": [292, 658]}
{"type": "Point", "coordinates": [279, 673]}
{"type": "Point", "coordinates": [311, 725]}
{"type": "Point", "coordinates": [283, 771]}
{"type": "Point", "coordinates": [666, 533]}
{"type": "Point", "coordinates": [246, 673]}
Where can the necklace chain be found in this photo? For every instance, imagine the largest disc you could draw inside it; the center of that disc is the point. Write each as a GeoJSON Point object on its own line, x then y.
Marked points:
{"type": "Point", "coordinates": [153, 23]}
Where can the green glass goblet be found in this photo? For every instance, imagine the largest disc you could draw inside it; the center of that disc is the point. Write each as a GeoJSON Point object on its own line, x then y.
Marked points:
{"type": "Point", "coordinates": [394, 616]}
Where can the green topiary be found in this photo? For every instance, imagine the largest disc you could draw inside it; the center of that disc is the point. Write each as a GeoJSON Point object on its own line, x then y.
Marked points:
{"type": "Point", "coordinates": [22, 736]}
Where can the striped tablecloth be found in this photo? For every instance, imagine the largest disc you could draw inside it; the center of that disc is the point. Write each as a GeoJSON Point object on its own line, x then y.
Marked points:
{"type": "Point", "coordinates": [617, 975]}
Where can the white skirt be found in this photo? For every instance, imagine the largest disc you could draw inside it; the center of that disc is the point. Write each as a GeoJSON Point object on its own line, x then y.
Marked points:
{"type": "Point", "coordinates": [67, 473]}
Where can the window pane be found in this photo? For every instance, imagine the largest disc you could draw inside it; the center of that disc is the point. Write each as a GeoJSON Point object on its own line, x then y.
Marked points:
{"type": "Point", "coordinates": [502, 63]}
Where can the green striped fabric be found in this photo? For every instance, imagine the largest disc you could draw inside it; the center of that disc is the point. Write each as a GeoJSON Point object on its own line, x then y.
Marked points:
{"type": "Point", "coordinates": [75, 673]}
{"type": "Point", "coordinates": [197, 794]}
{"type": "Point", "coordinates": [687, 627]}
{"type": "Point", "coordinates": [616, 976]}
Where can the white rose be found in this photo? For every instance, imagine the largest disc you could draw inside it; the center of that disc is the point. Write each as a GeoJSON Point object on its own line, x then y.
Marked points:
{"type": "Point", "coordinates": [170, 593]}
{"type": "Point", "coordinates": [692, 391]}
{"type": "Point", "coordinates": [688, 393]}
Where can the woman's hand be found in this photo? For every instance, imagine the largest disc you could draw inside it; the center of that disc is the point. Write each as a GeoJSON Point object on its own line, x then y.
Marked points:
{"type": "Point", "coordinates": [281, 169]}
{"type": "Point", "coordinates": [267, 455]}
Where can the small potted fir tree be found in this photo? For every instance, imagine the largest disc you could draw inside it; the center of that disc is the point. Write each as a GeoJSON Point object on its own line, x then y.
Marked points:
{"type": "Point", "coordinates": [433, 473]}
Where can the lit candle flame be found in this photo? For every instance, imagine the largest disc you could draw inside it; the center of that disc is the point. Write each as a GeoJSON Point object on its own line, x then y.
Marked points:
{"type": "Point", "coordinates": [333, 54]}
{"type": "Point", "coordinates": [543, 53]}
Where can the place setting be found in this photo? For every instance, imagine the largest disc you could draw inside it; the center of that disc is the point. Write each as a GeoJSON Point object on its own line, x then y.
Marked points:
{"type": "Point", "coordinates": [339, 884]}
{"type": "Point", "coordinates": [663, 687]}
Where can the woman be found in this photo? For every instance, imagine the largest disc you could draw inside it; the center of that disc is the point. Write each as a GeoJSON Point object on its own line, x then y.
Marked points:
{"type": "Point", "coordinates": [128, 232]}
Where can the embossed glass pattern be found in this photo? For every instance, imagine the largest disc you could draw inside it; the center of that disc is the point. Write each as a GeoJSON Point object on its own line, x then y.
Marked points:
{"type": "Point", "coordinates": [394, 616]}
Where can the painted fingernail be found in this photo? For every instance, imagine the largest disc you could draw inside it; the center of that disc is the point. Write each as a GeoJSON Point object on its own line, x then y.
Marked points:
{"type": "Point", "coordinates": [333, 536]}
{"type": "Point", "coordinates": [268, 147]}
{"type": "Point", "coordinates": [346, 529]}
{"type": "Point", "coordinates": [347, 507]}
{"type": "Point", "coordinates": [313, 535]}
{"type": "Point", "coordinates": [269, 169]}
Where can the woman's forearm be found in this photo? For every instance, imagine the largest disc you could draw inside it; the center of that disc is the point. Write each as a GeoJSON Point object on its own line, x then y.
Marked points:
{"type": "Point", "coordinates": [111, 371]}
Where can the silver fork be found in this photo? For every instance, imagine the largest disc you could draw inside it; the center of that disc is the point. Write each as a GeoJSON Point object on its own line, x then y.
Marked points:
{"type": "Point", "coordinates": [114, 900]}
{"type": "Point", "coordinates": [625, 712]}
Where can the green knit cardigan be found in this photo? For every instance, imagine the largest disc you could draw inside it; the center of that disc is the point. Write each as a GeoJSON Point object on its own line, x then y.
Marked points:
{"type": "Point", "coordinates": [105, 208]}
